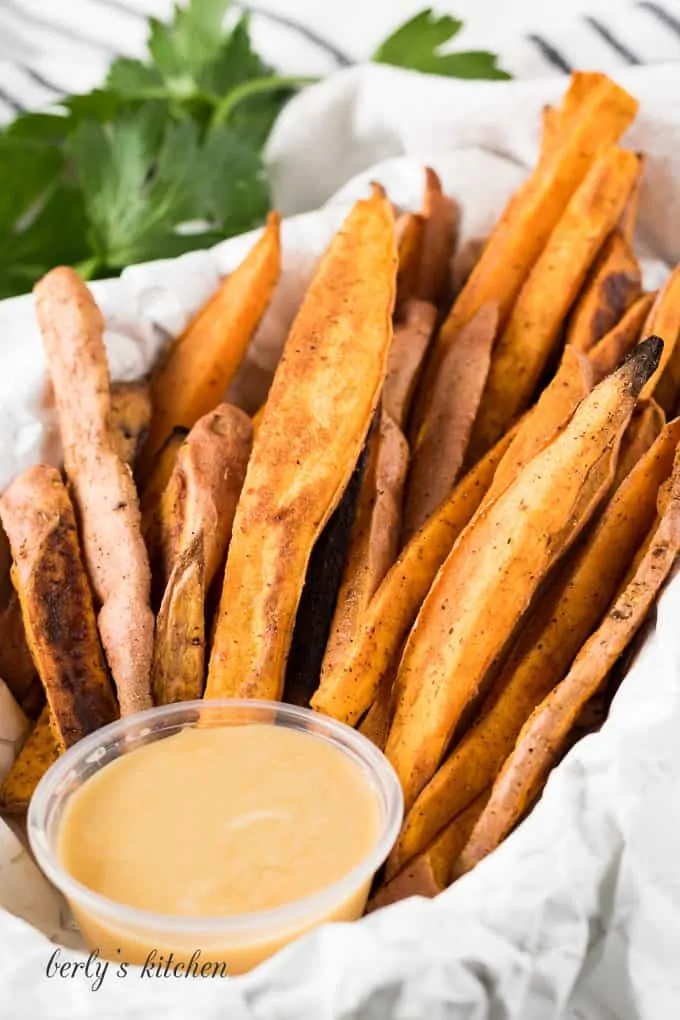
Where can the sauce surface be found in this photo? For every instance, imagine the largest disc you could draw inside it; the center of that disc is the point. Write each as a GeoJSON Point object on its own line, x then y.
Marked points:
{"type": "Point", "coordinates": [229, 820]}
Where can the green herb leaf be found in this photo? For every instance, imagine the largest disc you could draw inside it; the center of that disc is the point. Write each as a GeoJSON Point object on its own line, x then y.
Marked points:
{"type": "Point", "coordinates": [236, 190]}
{"type": "Point", "coordinates": [417, 44]}
{"type": "Point", "coordinates": [184, 48]}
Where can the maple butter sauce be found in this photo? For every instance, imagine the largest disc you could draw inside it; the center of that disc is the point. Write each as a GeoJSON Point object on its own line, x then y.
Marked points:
{"type": "Point", "coordinates": [210, 822]}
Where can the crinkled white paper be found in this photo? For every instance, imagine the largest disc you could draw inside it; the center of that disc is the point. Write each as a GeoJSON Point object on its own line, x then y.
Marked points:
{"type": "Point", "coordinates": [577, 915]}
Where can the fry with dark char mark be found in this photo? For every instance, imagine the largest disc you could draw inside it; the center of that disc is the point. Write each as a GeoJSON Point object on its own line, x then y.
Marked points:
{"type": "Point", "coordinates": [439, 448]}
{"type": "Point", "coordinates": [56, 603]}
{"type": "Point", "coordinates": [319, 409]}
{"type": "Point", "coordinates": [199, 366]}
{"type": "Point", "coordinates": [609, 352]}
{"type": "Point", "coordinates": [429, 872]}
{"type": "Point", "coordinates": [130, 418]}
{"type": "Point", "coordinates": [601, 113]}
{"type": "Point", "coordinates": [566, 615]}
{"type": "Point", "coordinates": [411, 340]}
{"type": "Point", "coordinates": [105, 496]}
{"type": "Point", "coordinates": [35, 757]}
{"type": "Point", "coordinates": [614, 283]}
{"type": "Point", "coordinates": [545, 734]}
{"type": "Point", "coordinates": [347, 691]}
{"type": "Point", "coordinates": [491, 575]}
{"type": "Point", "coordinates": [523, 349]}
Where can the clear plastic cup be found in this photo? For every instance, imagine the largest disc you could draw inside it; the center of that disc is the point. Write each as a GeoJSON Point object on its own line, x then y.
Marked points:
{"type": "Point", "coordinates": [201, 945]}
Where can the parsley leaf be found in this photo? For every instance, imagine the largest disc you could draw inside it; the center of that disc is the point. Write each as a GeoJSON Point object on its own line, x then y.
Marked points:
{"type": "Point", "coordinates": [417, 44]}
{"type": "Point", "coordinates": [145, 175]}
{"type": "Point", "coordinates": [40, 223]}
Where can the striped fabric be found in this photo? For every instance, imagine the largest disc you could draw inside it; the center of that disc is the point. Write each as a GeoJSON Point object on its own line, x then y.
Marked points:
{"type": "Point", "coordinates": [49, 48]}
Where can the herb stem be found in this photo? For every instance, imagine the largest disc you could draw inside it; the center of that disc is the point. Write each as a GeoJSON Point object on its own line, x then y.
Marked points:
{"type": "Point", "coordinates": [255, 87]}
{"type": "Point", "coordinates": [88, 267]}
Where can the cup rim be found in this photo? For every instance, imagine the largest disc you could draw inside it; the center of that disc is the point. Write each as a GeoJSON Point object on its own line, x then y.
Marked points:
{"type": "Point", "coordinates": [346, 739]}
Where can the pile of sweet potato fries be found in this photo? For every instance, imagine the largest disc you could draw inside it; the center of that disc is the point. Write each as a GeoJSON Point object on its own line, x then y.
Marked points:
{"type": "Point", "coordinates": [444, 527]}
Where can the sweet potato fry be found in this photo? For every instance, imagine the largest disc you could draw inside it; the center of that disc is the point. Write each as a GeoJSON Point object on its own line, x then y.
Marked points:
{"type": "Point", "coordinates": [492, 573]}
{"type": "Point", "coordinates": [323, 578]}
{"type": "Point", "coordinates": [609, 352]}
{"type": "Point", "coordinates": [374, 542]}
{"type": "Point", "coordinates": [572, 382]}
{"type": "Point", "coordinates": [566, 615]}
{"type": "Point", "coordinates": [601, 113]}
{"type": "Point", "coordinates": [441, 217]}
{"type": "Point", "coordinates": [439, 448]}
{"type": "Point", "coordinates": [202, 492]}
{"type": "Point", "coordinates": [347, 691]}
{"type": "Point", "coordinates": [464, 261]}
{"type": "Point", "coordinates": [179, 650]}
{"type": "Point", "coordinates": [72, 328]}
{"type": "Point", "coordinates": [646, 424]}
{"type": "Point", "coordinates": [197, 370]}
{"type": "Point", "coordinates": [376, 723]}
{"type": "Point", "coordinates": [319, 410]}
{"type": "Point", "coordinates": [35, 757]}
{"type": "Point", "coordinates": [545, 734]}
{"type": "Point", "coordinates": [196, 515]}
{"type": "Point", "coordinates": [664, 321]}
{"type": "Point", "coordinates": [150, 500]}
{"type": "Point", "coordinates": [551, 124]}
{"type": "Point", "coordinates": [429, 872]}
{"type": "Point", "coordinates": [17, 668]}
{"type": "Point", "coordinates": [409, 231]}
{"type": "Point", "coordinates": [130, 418]}
{"type": "Point", "coordinates": [629, 216]}
{"type": "Point", "coordinates": [523, 350]}
{"type": "Point", "coordinates": [411, 339]}
{"type": "Point", "coordinates": [56, 603]}
{"type": "Point", "coordinates": [613, 284]}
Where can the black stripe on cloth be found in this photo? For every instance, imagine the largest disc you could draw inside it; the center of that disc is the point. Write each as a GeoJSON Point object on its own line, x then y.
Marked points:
{"type": "Point", "coordinates": [663, 16]}
{"type": "Point", "coordinates": [10, 101]}
{"type": "Point", "coordinates": [341, 58]}
{"type": "Point", "coordinates": [39, 79]}
{"type": "Point", "coordinates": [65, 31]}
{"type": "Point", "coordinates": [608, 36]}
{"type": "Point", "coordinates": [552, 55]}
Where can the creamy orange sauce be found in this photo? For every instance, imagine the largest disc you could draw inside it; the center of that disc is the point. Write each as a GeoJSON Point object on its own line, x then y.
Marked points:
{"type": "Point", "coordinates": [229, 820]}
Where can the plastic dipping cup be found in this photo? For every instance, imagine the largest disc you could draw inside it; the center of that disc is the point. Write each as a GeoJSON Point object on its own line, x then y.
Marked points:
{"type": "Point", "coordinates": [236, 943]}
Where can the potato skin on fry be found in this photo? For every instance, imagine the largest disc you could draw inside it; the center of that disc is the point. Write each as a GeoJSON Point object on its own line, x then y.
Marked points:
{"type": "Point", "coordinates": [204, 487]}
{"type": "Point", "coordinates": [547, 730]}
{"type": "Point", "coordinates": [72, 329]}
{"type": "Point", "coordinates": [311, 434]}
{"type": "Point", "coordinates": [609, 352]}
{"type": "Point", "coordinates": [486, 585]}
{"type": "Point", "coordinates": [56, 603]}
{"type": "Point", "coordinates": [438, 449]}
